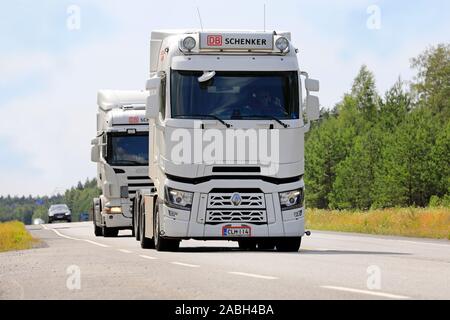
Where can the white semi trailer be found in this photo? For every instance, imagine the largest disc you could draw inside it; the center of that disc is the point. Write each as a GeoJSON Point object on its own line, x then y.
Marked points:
{"type": "Point", "coordinates": [226, 111]}
{"type": "Point", "coordinates": [121, 153]}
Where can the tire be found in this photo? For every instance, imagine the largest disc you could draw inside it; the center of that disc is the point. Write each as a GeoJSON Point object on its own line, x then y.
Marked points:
{"type": "Point", "coordinates": [49, 221]}
{"type": "Point", "coordinates": [247, 245]}
{"type": "Point", "coordinates": [266, 244]}
{"type": "Point", "coordinates": [146, 243]}
{"type": "Point", "coordinates": [162, 244]}
{"type": "Point", "coordinates": [289, 244]}
{"type": "Point", "coordinates": [136, 214]}
{"type": "Point", "coordinates": [98, 231]}
{"type": "Point", "coordinates": [110, 232]}
{"type": "Point", "coordinates": [69, 221]}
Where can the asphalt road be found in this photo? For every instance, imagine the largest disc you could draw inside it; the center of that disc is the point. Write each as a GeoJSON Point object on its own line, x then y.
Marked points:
{"type": "Point", "coordinates": [73, 264]}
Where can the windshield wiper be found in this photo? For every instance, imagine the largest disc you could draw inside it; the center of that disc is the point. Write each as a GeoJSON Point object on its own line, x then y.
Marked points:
{"type": "Point", "coordinates": [206, 117]}
{"type": "Point", "coordinates": [285, 125]}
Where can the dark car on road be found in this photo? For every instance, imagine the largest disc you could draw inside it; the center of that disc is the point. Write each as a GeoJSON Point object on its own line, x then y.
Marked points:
{"type": "Point", "coordinates": [59, 212]}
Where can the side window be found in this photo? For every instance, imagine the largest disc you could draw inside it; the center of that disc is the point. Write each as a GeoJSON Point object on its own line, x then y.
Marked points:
{"type": "Point", "coordinates": [104, 149]}
{"type": "Point", "coordinates": [163, 95]}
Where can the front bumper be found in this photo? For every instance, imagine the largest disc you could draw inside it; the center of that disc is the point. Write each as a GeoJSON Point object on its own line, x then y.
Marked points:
{"type": "Point", "coordinates": [60, 218]}
{"type": "Point", "coordinates": [117, 221]}
{"type": "Point", "coordinates": [185, 225]}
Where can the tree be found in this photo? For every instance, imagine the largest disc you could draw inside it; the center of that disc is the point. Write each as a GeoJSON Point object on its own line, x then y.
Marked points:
{"type": "Point", "coordinates": [432, 84]}
{"type": "Point", "coordinates": [355, 175]}
{"type": "Point", "coordinates": [365, 93]}
{"type": "Point", "coordinates": [440, 163]}
{"type": "Point", "coordinates": [395, 106]}
{"type": "Point", "coordinates": [404, 177]}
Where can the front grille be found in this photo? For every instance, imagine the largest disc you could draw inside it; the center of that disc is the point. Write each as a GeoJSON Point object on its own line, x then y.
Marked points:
{"type": "Point", "coordinates": [227, 216]}
{"type": "Point", "coordinates": [223, 208]}
{"type": "Point", "coordinates": [225, 200]}
{"type": "Point", "coordinates": [137, 183]}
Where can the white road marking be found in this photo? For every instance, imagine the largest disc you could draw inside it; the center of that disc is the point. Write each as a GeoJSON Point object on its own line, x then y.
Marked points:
{"type": "Point", "coordinates": [76, 239]}
{"type": "Point", "coordinates": [372, 293]}
{"type": "Point", "coordinates": [185, 265]}
{"type": "Point", "coordinates": [95, 243]}
{"type": "Point", "coordinates": [148, 257]}
{"type": "Point", "coordinates": [124, 251]}
{"type": "Point", "coordinates": [251, 275]}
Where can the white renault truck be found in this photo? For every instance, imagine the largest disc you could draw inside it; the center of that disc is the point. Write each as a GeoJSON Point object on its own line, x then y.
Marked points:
{"type": "Point", "coordinates": [228, 113]}
{"type": "Point", "coordinates": [121, 153]}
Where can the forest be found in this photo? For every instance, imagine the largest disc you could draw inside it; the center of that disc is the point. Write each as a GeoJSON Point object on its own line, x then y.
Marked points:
{"type": "Point", "coordinates": [375, 151]}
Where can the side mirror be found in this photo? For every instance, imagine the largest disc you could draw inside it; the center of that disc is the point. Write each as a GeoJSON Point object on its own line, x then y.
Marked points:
{"type": "Point", "coordinates": [312, 108]}
{"type": "Point", "coordinates": [312, 85]}
{"type": "Point", "coordinates": [95, 153]}
{"type": "Point", "coordinates": [153, 101]}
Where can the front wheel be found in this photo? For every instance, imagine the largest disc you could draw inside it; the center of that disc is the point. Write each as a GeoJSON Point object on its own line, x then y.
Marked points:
{"type": "Point", "coordinates": [162, 244]}
{"type": "Point", "coordinates": [136, 214]}
{"type": "Point", "coordinates": [98, 231]}
{"type": "Point", "coordinates": [289, 244]}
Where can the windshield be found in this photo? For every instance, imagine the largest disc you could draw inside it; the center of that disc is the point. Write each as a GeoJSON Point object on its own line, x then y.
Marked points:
{"type": "Point", "coordinates": [235, 95]}
{"type": "Point", "coordinates": [59, 208]}
{"type": "Point", "coordinates": [128, 150]}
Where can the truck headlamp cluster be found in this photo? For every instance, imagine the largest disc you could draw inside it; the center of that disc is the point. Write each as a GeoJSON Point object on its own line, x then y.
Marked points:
{"type": "Point", "coordinates": [113, 210]}
{"type": "Point", "coordinates": [291, 200]}
{"type": "Point", "coordinates": [189, 43]}
{"type": "Point", "coordinates": [179, 199]}
{"type": "Point", "coordinates": [282, 44]}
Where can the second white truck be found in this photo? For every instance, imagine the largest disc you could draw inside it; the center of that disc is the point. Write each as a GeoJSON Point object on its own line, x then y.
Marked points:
{"type": "Point", "coordinates": [121, 153]}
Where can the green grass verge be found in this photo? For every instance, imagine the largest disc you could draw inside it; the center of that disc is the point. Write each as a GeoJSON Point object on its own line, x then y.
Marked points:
{"type": "Point", "coordinates": [410, 222]}
{"type": "Point", "coordinates": [14, 236]}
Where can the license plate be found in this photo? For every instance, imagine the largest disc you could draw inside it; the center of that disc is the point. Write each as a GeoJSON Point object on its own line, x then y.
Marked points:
{"type": "Point", "coordinates": [237, 231]}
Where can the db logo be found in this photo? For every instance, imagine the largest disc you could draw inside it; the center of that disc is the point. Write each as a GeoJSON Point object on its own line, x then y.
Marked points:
{"type": "Point", "coordinates": [134, 120]}
{"type": "Point", "coordinates": [215, 41]}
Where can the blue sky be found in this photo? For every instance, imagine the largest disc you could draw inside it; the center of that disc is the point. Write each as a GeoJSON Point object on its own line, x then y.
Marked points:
{"type": "Point", "coordinates": [49, 74]}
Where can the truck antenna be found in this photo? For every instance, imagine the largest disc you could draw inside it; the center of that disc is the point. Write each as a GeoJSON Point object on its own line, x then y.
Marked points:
{"type": "Point", "coordinates": [200, 18]}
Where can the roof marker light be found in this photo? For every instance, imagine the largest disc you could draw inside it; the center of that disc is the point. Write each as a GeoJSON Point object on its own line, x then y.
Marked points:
{"type": "Point", "coordinates": [282, 44]}
{"type": "Point", "coordinates": [189, 43]}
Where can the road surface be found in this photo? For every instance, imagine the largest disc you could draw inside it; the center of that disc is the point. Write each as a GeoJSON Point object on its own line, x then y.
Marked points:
{"type": "Point", "coordinates": [73, 264]}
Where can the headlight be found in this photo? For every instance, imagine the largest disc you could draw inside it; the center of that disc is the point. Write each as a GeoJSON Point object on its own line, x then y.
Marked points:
{"type": "Point", "coordinates": [113, 210]}
{"type": "Point", "coordinates": [179, 199]}
{"type": "Point", "coordinates": [68, 213]}
{"type": "Point", "coordinates": [51, 214]}
{"type": "Point", "coordinates": [282, 44]}
{"type": "Point", "coordinates": [189, 43]}
{"type": "Point", "coordinates": [291, 200]}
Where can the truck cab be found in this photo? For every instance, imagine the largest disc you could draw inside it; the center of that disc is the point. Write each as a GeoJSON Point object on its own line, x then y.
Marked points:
{"type": "Point", "coordinates": [120, 150]}
{"type": "Point", "coordinates": [227, 121]}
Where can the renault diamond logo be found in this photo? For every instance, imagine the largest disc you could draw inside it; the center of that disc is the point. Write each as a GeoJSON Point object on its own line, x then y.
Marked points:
{"type": "Point", "coordinates": [236, 199]}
